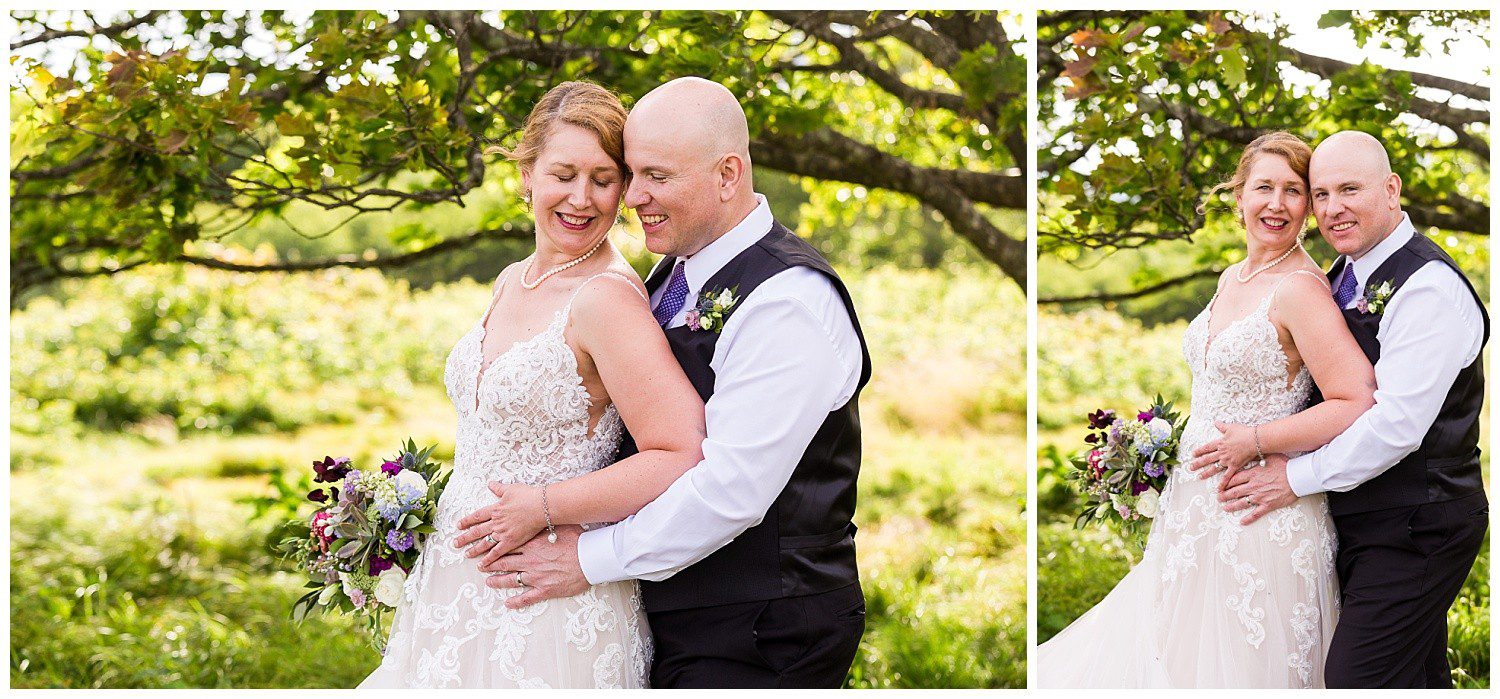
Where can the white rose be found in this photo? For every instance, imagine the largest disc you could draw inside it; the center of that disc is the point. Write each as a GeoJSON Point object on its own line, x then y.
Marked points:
{"type": "Point", "coordinates": [388, 586]}
{"type": "Point", "coordinates": [1149, 504]}
{"type": "Point", "coordinates": [1160, 428]}
{"type": "Point", "coordinates": [408, 479]}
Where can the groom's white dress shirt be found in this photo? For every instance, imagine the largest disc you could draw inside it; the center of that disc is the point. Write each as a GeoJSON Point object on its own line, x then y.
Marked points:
{"type": "Point", "coordinates": [1430, 329]}
{"type": "Point", "coordinates": [787, 357]}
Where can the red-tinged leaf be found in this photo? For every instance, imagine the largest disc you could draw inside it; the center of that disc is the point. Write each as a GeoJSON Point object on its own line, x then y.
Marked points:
{"type": "Point", "coordinates": [173, 142]}
{"type": "Point", "coordinates": [1088, 38]}
{"type": "Point", "coordinates": [1083, 87]}
{"type": "Point", "coordinates": [123, 71]}
{"type": "Point", "coordinates": [1217, 24]}
{"type": "Point", "coordinates": [1081, 67]}
{"type": "Point", "coordinates": [1133, 31]}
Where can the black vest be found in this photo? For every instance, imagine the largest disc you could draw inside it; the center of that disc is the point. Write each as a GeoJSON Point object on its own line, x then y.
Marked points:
{"type": "Point", "coordinates": [805, 544]}
{"type": "Point", "coordinates": [1446, 465]}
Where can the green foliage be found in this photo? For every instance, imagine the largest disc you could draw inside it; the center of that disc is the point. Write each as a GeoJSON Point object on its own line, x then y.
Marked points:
{"type": "Point", "coordinates": [199, 349]}
{"type": "Point", "coordinates": [1144, 112]}
{"type": "Point", "coordinates": [253, 119]}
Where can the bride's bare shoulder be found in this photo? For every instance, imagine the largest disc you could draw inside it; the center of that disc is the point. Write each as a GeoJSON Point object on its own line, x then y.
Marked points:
{"type": "Point", "coordinates": [1304, 290]}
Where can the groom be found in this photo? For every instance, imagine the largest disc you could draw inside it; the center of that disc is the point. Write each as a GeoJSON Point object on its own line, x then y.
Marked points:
{"type": "Point", "coordinates": [1403, 481]}
{"type": "Point", "coordinates": [747, 561]}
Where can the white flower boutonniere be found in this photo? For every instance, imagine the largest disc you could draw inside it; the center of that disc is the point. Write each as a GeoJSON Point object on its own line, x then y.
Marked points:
{"type": "Point", "coordinates": [1375, 298]}
{"type": "Point", "coordinates": [712, 309]}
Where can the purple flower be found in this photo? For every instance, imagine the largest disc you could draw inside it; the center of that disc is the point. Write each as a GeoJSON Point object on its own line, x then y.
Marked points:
{"type": "Point", "coordinates": [1100, 419]}
{"type": "Point", "coordinates": [358, 597]}
{"type": "Point", "coordinates": [1144, 416]}
{"type": "Point", "coordinates": [1138, 488]}
{"type": "Point", "coordinates": [1154, 469]}
{"type": "Point", "coordinates": [318, 496]}
{"type": "Point", "coordinates": [330, 469]}
{"type": "Point", "coordinates": [390, 468]}
{"type": "Point", "coordinates": [351, 488]}
{"type": "Point", "coordinates": [379, 564]}
{"type": "Point", "coordinates": [692, 319]}
{"type": "Point", "coordinates": [399, 540]}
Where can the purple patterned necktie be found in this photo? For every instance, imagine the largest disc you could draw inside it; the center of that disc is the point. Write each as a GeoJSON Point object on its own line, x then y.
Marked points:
{"type": "Point", "coordinates": [672, 299]}
{"type": "Point", "coordinates": [1345, 294]}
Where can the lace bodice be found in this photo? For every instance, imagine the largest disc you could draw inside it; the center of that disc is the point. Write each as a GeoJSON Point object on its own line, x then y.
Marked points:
{"type": "Point", "coordinates": [1240, 374]}
{"type": "Point", "coordinates": [524, 418]}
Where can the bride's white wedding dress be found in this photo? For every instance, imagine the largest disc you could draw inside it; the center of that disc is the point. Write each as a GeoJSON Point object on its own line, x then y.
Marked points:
{"type": "Point", "coordinates": [1214, 603]}
{"type": "Point", "coordinates": [524, 419]}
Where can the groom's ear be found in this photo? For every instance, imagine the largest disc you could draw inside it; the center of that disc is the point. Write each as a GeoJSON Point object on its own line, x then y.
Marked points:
{"type": "Point", "coordinates": [1393, 190]}
{"type": "Point", "coordinates": [731, 172]}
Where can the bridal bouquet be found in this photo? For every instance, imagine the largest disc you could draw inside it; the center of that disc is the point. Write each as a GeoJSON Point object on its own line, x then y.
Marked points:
{"type": "Point", "coordinates": [366, 533]}
{"type": "Point", "coordinates": [1122, 471]}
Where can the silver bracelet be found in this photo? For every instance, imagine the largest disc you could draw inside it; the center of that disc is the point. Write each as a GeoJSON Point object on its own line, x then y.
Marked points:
{"type": "Point", "coordinates": [547, 515]}
{"type": "Point", "coordinates": [1260, 456]}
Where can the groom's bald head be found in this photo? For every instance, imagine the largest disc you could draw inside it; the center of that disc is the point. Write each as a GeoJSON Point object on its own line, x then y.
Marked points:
{"type": "Point", "coordinates": [1355, 196]}
{"type": "Point", "coordinates": [703, 115]}
{"type": "Point", "coordinates": [687, 144]}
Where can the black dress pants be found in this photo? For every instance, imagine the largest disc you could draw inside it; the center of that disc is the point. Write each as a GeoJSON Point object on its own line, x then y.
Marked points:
{"type": "Point", "coordinates": [1400, 569]}
{"type": "Point", "coordinates": [805, 641]}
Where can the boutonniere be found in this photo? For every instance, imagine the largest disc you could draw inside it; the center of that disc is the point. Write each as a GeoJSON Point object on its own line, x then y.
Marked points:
{"type": "Point", "coordinates": [1375, 298]}
{"type": "Point", "coordinates": [712, 309]}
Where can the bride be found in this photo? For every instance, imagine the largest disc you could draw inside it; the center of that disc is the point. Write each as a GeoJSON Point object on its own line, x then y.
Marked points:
{"type": "Point", "coordinates": [567, 350]}
{"type": "Point", "coordinates": [1215, 602]}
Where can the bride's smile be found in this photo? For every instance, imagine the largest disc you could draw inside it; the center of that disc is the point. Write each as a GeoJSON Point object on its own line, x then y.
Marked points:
{"type": "Point", "coordinates": [1273, 205]}
{"type": "Point", "coordinates": [575, 190]}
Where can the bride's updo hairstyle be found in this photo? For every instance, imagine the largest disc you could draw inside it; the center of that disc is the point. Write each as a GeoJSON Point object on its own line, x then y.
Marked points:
{"type": "Point", "coordinates": [581, 104]}
{"type": "Point", "coordinates": [1295, 150]}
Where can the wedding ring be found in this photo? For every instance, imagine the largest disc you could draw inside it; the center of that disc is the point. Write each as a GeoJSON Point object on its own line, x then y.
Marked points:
{"type": "Point", "coordinates": [490, 538]}
{"type": "Point", "coordinates": [519, 582]}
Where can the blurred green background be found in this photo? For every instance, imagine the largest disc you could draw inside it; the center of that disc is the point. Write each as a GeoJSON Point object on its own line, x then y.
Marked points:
{"type": "Point", "coordinates": [1126, 262]}
{"type": "Point", "coordinates": [155, 411]}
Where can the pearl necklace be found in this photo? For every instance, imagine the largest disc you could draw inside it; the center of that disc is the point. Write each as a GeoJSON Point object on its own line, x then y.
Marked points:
{"type": "Point", "coordinates": [1243, 279]}
{"type": "Point", "coordinates": [559, 268]}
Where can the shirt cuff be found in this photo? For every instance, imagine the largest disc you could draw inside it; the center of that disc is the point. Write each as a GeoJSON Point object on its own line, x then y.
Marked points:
{"type": "Point", "coordinates": [596, 557]}
{"type": "Point", "coordinates": [1299, 474]}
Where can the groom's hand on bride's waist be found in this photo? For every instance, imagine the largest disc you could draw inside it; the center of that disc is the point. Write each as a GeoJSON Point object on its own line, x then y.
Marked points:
{"type": "Point", "coordinates": [548, 570]}
{"type": "Point", "coordinates": [1260, 490]}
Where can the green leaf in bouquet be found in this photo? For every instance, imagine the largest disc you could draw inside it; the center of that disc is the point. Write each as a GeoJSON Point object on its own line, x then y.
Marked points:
{"type": "Point", "coordinates": [348, 549]}
{"type": "Point", "coordinates": [425, 529]}
{"type": "Point", "coordinates": [410, 521]}
{"type": "Point", "coordinates": [305, 604]}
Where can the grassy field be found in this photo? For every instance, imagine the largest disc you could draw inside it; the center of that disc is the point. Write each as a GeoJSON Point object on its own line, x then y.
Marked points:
{"type": "Point", "coordinates": [146, 409]}
{"type": "Point", "coordinates": [1098, 359]}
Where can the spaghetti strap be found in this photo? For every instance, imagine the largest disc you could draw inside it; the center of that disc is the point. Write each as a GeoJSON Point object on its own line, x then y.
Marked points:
{"type": "Point", "coordinates": [616, 275]}
{"type": "Point", "coordinates": [1321, 279]}
{"type": "Point", "coordinates": [1266, 304]}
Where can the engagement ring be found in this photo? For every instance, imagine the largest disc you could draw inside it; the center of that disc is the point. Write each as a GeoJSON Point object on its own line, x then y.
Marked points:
{"type": "Point", "coordinates": [490, 538]}
{"type": "Point", "coordinates": [519, 582]}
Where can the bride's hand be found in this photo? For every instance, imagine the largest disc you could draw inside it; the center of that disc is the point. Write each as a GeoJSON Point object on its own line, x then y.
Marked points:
{"type": "Point", "coordinates": [505, 525]}
{"type": "Point", "coordinates": [1227, 454]}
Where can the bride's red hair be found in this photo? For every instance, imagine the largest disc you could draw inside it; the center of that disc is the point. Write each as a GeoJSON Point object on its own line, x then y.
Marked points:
{"type": "Point", "coordinates": [1295, 150]}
